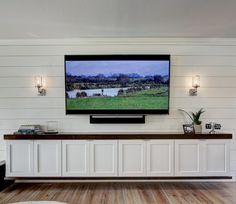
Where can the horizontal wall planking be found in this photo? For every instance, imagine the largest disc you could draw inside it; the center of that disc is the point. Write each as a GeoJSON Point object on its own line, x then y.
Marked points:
{"type": "Point", "coordinates": [227, 124]}
{"type": "Point", "coordinates": [193, 102]}
{"type": "Point", "coordinates": [204, 71]}
{"type": "Point", "coordinates": [113, 128]}
{"type": "Point", "coordinates": [31, 113]}
{"type": "Point", "coordinates": [30, 92]}
{"type": "Point", "coordinates": [77, 127]}
{"type": "Point", "coordinates": [119, 41]}
{"type": "Point", "coordinates": [29, 61]}
{"type": "Point", "coordinates": [205, 82]}
{"type": "Point", "coordinates": [133, 128]}
{"type": "Point", "coordinates": [54, 114]}
{"type": "Point", "coordinates": [40, 113]}
{"type": "Point", "coordinates": [204, 92]}
{"type": "Point", "coordinates": [32, 103]}
{"type": "Point", "coordinates": [59, 114]}
{"type": "Point", "coordinates": [175, 81]}
{"type": "Point", "coordinates": [203, 60]}
{"type": "Point", "coordinates": [33, 71]}
{"type": "Point", "coordinates": [179, 60]}
{"type": "Point", "coordinates": [29, 82]}
{"type": "Point", "coordinates": [12, 125]}
{"type": "Point", "coordinates": [210, 113]}
{"type": "Point", "coordinates": [52, 50]}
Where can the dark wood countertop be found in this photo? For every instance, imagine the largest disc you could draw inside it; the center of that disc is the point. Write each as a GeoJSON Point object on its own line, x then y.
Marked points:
{"type": "Point", "coordinates": [113, 136]}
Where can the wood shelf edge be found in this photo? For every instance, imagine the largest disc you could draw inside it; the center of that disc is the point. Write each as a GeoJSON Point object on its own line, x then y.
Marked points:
{"type": "Point", "coordinates": [113, 136]}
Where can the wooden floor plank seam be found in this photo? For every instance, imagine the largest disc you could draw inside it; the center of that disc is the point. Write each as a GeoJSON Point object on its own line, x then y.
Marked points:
{"type": "Point", "coordinates": [165, 194]}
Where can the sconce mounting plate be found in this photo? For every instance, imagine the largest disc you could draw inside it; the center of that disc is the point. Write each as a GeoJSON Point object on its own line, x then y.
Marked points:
{"type": "Point", "coordinates": [41, 92]}
{"type": "Point", "coordinates": [192, 92]}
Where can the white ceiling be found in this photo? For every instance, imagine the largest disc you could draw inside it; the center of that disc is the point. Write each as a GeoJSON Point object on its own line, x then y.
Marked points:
{"type": "Point", "coordinates": [117, 18]}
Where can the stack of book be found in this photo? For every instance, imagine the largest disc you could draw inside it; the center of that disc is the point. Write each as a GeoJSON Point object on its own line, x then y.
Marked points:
{"type": "Point", "coordinates": [29, 129]}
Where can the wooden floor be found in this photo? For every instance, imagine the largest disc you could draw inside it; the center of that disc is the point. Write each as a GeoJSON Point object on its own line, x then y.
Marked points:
{"type": "Point", "coordinates": [122, 193]}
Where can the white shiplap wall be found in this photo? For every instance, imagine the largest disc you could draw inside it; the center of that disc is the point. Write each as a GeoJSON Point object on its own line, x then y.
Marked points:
{"type": "Point", "coordinates": [21, 60]}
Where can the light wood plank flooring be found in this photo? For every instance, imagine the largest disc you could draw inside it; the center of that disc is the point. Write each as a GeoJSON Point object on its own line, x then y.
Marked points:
{"type": "Point", "coordinates": [122, 193]}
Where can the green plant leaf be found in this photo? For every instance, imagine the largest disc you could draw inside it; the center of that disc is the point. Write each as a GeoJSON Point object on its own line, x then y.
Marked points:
{"type": "Point", "coordinates": [186, 113]}
{"type": "Point", "coordinates": [195, 117]}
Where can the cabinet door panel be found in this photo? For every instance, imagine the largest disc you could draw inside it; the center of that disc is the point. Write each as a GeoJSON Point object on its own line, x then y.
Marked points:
{"type": "Point", "coordinates": [19, 158]}
{"type": "Point", "coordinates": [47, 157]}
{"type": "Point", "coordinates": [132, 158]}
{"type": "Point", "coordinates": [103, 156]}
{"type": "Point", "coordinates": [75, 157]}
{"type": "Point", "coordinates": [216, 156]}
{"type": "Point", "coordinates": [188, 158]}
{"type": "Point", "coordinates": [160, 158]}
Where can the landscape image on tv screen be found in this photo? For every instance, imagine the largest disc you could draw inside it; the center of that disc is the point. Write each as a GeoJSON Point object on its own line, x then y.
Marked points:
{"type": "Point", "coordinates": [117, 84]}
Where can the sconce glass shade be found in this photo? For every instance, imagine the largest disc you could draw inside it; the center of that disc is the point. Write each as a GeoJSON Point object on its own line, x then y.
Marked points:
{"type": "Point", "coordinates": [196, 81]}
{"type": "Point", "coordinates": [38, 81]}
{"type": "Point", "coordinates": [39, 84]}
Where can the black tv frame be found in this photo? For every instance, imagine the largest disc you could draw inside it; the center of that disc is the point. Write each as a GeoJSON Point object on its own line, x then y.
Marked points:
{"type": "Point", "coordinates": [164, 57]}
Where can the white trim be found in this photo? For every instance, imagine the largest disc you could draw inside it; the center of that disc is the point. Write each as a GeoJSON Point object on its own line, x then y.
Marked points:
{"type": "Point", "coordinates": [120, 41]}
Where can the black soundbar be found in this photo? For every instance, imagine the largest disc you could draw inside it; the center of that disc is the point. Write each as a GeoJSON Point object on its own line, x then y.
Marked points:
{"type": "Point", "coordinates": [126, 119]}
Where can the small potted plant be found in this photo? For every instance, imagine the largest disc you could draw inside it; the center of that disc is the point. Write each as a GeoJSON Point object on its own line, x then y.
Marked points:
{"type": "Point", "coordinates": [195, 117]}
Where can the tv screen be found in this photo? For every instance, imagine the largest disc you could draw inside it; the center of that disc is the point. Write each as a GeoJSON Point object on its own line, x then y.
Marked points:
{"type": "Point", "coordinates": [117, 84]}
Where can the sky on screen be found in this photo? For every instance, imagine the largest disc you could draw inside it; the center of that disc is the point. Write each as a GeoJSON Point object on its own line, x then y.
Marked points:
{"type": "Point", "coordinates": [107, 68]}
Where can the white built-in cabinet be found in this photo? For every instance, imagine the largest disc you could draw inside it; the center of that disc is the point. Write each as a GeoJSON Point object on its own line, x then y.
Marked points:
{"type": "Point", "coordinates": [160, 158]}
{"type": "Point", "coordinates": [216, 155]}
{"type": "Point", "coordinates": [132, 158]}
{"type": "Point", "coordinates": [47, 158]}
{"type": "Point", "coordinates": [188, 158]}
{"type": "Point", "coordinates": [103, 158]}
{"type": "Point", "coordinates": [201, 158]}
{"type": "Point", "coordinates": [82, 158]}
{"type": "Point", "coordinates": [146, 158]}
{"type": "Point", "coordinates": [75, 158]}
{"type": "Point", "coordinates": [19, 161]}
{"type": "Point", "coordinates": [123, 158]}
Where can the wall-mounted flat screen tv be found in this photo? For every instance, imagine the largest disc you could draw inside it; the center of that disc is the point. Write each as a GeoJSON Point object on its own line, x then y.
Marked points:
{"type": "Point", "coordinates": [117, 84]}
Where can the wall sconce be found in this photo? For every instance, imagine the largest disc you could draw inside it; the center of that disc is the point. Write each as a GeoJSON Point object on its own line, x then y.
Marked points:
{"type": "Point", "coordinates": [39, 84]}
{"type": "Point", "coordinates": [195, 85]}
